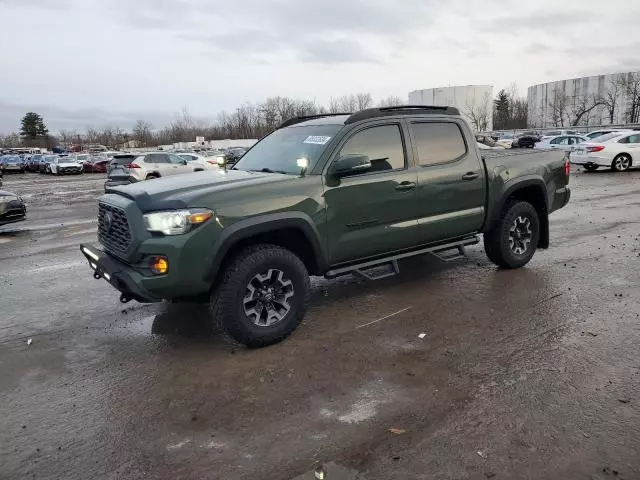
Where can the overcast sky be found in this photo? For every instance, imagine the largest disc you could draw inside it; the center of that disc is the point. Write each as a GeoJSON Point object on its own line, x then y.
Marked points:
{"type": "Point", "coordinates": [98, 62]}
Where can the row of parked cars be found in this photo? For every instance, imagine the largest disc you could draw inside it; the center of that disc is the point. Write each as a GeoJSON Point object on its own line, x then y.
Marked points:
{"type": "Point", "coordinates": [62, 164]}
{"type": "Point", "coordinates": [617, 149]}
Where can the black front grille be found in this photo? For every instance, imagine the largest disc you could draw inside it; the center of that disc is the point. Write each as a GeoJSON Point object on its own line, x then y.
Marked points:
{"type": "Point", "coordinates": [113, 229]}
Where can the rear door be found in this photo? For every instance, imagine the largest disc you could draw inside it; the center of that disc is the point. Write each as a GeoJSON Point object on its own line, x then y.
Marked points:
{"type": "Point", "coordinates": [179, 164]}
{"type": "Point", "coordinates": [451, 179]}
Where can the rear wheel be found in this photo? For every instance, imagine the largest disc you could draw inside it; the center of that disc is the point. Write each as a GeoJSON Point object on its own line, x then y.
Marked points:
{"type": "Point", "coordinates": [621, 163]}
{"type": "Point", "coordinates": [151, 176]}
{"type": "Point", "coordinates": [513, 241]}
{"type": "Point", "coordinates": [262, 296]}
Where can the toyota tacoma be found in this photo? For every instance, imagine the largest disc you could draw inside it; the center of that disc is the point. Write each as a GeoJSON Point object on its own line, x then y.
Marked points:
{"type": "Point", "coordinates": [323, 195]}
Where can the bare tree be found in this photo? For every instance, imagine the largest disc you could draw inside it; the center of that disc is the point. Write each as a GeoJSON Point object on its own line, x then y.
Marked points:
{"type": "Point", "coordinates": [11, 140]}
{"type": "Point", "coordinates": [612, 97]}
{"type": "Point", "coordinates": [582, 107]}
{"type": "Point", "coordinates": [558, 106]}
{"type": "Point", "coordinates": [479, 113]}
{"type": "Point", "coordinates": [392, 101]}
{"type": "Point", "coordinates": [141, 133]}
{"type": "Point", "coordinates": [631, 88]}
{"type": "Point", "coordinates": [334, 105]}
{"type": "Point", "coordinates": [363, 100]}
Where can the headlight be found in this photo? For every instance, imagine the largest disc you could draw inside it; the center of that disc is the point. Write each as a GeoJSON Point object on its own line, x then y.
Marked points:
{"type": "Point", "coordinates": [7, 199]}
{"type": "Point", "coordinates": [176, 222]}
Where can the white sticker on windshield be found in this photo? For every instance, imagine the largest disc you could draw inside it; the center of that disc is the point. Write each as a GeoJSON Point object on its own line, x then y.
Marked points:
{"type": "Point", "coordinates": [317, 140]}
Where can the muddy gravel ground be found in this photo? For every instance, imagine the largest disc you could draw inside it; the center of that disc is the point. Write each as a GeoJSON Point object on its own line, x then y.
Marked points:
{"type": "Point", "coordinates": [533, 373]}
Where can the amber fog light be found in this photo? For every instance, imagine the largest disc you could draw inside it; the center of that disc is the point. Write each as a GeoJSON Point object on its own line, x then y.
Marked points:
{"type": "Point", "coordinates": [159, 265]}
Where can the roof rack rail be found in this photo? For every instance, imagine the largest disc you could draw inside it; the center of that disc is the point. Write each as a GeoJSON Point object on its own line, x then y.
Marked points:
{"type": "Point", "coordinates": [401, 110]}
{"type": "Point", "coordinates": [294, 120]}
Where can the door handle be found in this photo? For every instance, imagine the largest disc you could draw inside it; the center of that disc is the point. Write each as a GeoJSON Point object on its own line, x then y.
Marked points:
{"type": "Point", "coordinates": [404, 186]}
{"type": "Point", "coordinates": [470, 176]}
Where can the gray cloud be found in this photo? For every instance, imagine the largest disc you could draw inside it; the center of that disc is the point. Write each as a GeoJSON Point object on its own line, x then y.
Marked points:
{"type": "Point", "coordinates": [316, 32]}
{"type": "Point", "coordinates": [553, 21]}
{"type": "Point", "coordinates": [334, 51]}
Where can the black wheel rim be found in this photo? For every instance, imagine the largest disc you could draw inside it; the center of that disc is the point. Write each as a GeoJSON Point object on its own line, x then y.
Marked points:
{"type": "Point", "coordinates": [268, 297]}
{"type": "Point", "coordinates": [520, 235]}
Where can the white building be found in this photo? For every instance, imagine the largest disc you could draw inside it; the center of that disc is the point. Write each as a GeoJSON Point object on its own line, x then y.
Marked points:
{"type": "Point", "coordinates": [475, 102]}
{"type": "Point", "coordinates": [565, 102]}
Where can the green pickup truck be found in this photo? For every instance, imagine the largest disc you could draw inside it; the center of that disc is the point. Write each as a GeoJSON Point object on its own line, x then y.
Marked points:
{"type": "Point", "coordinates": [323, 195]}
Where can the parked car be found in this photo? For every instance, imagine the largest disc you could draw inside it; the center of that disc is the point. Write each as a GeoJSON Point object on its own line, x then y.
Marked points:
{"type": "Point", "coordinates": [12, 207]}
{"type": "Point", "coordinates": [13, 163]}
{"type": "Point", "coordinates": [617, 151]}
{"type": "Point", "coordinates": [200, 162]}
{"type": "Point", "coordinates": [125, 169]}
{"type": "Point", "coordinates": [327, 195]}
{"type": "Point", "coordinates": [598, 133]}
{"type": "Point", "coordinates": [45, 161]}
{"type": "Point", "coordinates": [487, 142]}
{"type": "Point", "coordinates": [566, 143]}
{"type": "Point", "coordinates": [232, 155]}
{"type": "Point", "coordinates": [506, 140]}
{"type": "Point", "coordinates": [557, 133]}
{"type": "Point", "coordinates": [526, 140]}
{"type": "Point", "coordinates": [33, 164]}
{"type": "Point", "coordinates": [65, 166]}
{"type": "Point", "coordinates": [98, 163]}
{"type": "Point", "coordinates": [83, 159]}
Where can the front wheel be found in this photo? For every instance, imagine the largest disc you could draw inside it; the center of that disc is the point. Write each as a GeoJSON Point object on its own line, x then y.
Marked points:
{"type": "Point", "coordinates": [621, 163]}
{"type": "Point", "coordinates": [262, 296]}
{"type": "Point", "coordinates": [513, 241]}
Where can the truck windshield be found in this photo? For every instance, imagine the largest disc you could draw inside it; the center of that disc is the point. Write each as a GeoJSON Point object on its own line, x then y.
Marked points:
{"type": "Point", "coordinates": [280, 151]}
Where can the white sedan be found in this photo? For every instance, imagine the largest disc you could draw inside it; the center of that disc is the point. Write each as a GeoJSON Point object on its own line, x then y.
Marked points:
{"type": "Point", "coordinates": [206, 163]}
{"type": "Point", "coordinates": [566, 143]}
{"type": "Point", "coordinates": [65, 165]}
{"type": "Point", "coordinates": [617, 151]}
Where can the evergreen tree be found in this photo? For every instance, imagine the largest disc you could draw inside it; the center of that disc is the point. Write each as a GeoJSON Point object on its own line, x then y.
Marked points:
{"type": "Point", "coordinates": [33, 126]}
{"type": "Point", "coordinates": [502, 110]}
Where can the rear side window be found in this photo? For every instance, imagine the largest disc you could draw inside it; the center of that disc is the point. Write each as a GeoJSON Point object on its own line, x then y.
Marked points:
{"type": "Point", "coordinates": [157, 158]}
{"type": "Point", "coordinates": [630, 139]}
{"type": "Point", "coordinates": [438, 142]}
{"type": "Point", "coordinates": [383, 145]}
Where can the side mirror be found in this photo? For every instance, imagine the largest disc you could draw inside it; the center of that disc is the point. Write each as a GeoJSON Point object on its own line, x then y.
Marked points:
{"type": "Point", "coordinates": [350, 165]}
{"type": "Point", "coordinates": [184, 162]}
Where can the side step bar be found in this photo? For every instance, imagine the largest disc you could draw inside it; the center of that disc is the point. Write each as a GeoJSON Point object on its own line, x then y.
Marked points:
{"type": "Point", "coordinates": [447, 253]}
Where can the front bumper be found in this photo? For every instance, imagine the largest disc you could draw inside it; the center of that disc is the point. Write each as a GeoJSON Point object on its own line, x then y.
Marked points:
{"type": "Point", "coordinates": [12, 212]}
{"type": "Point", "coordinates": [124, 278]}
{"type": "Point", "coordinates": [69, 170]}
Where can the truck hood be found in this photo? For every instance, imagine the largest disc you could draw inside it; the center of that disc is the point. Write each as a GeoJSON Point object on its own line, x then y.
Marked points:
{"type": "Point", "coordinates": [177, 191]}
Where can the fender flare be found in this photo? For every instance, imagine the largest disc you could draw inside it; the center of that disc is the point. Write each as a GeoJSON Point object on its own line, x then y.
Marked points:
{"type": "Point", "coordinates": [510, 188]}
{"type": "Point", "coordinates": [250, 227]}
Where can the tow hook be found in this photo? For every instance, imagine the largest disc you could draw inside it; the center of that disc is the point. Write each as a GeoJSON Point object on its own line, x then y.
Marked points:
{"type": "Point", "coordinates": [97, 276]}
{"type": "Point", "coordinates": [124, 298]}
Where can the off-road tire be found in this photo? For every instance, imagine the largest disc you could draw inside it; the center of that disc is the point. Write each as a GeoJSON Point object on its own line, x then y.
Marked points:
{"type": "Point", "coordinates": [227, 296]}
{"type": "Point", "coordinates": [496, 241]}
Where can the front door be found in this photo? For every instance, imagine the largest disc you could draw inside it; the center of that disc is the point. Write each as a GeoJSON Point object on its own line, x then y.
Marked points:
{"type": "Point", "coordinates": [451, 180]}
{"type": "Point", "coordinates": [371, 213]}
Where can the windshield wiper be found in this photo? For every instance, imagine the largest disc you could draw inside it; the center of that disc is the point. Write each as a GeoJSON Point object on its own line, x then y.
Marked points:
{"type": "Point", "coordinates": [267, 170]}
